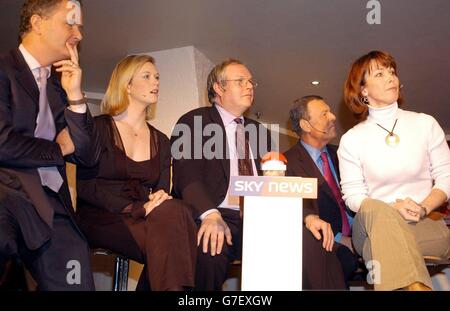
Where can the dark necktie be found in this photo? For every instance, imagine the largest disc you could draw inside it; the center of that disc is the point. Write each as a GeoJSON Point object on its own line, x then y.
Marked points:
{"type": "Point", "coordinates": [328, 175]}
{"type": "Point", "coordinates": [45, 128]}
{"type": "Point", "coordinates": [242, 149]}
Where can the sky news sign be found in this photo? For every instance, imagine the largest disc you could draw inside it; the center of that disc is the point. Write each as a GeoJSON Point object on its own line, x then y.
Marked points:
{"type": "Point", "coordinates": [274, 186]}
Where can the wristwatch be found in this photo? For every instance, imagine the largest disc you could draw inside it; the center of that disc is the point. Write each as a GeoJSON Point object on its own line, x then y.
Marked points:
{"type": "Point", "coordinates": [78, 102]}
{"type": "Point", "coordinates": [425, 214]}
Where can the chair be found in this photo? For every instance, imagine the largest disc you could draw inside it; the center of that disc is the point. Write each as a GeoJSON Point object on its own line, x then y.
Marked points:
{"type": "Point", "coordinates": [233, 279]}
{"type": "Point", "coordinates": [432, 261]}
{"type": "Point", "coordinates": [121, 269]}
{"type": "Point", "coordinates": [439, 262]}
{"type": "Point", "coordinates": [436, 265]}
{"type": "Point", "coordinates": [121, 263]}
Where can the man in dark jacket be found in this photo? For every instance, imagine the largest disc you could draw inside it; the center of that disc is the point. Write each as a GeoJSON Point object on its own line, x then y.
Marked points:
{"type": "Point", "coordinates": [312, 156]}
{"type": "Point", "coordinates": [218, 148]}
{"type": "Point", "coordinates": [39, 131]}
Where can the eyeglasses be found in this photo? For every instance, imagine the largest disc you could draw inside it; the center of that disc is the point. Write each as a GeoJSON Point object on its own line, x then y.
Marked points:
{"type": "Point", "coordinates": [243, 82]}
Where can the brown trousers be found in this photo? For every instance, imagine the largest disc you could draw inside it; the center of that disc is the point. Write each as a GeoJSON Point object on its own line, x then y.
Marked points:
{"type": "Point", "coordinates": [164, 241]}
{"type": "Point", "coordinates": [395, 247]}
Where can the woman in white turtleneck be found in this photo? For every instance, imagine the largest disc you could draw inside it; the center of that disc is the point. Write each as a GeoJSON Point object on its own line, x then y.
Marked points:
{"type": "Point", "coordinates": [395, 170]}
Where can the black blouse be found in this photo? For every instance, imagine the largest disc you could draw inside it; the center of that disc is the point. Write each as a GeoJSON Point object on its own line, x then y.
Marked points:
{"type": "Point", "coordinates": [118, 184]}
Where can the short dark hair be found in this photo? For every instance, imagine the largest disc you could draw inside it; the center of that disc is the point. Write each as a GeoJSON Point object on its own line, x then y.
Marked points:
{"type": "Point", "coordinates": [299, 111]}
{"type": "Point", "coordinates": [216, 75]}
{"type": "Point", "coordinates": [31, 7]}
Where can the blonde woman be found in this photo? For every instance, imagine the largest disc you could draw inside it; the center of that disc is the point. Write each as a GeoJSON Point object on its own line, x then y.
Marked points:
{"type": "Point", "coordinates": [123, 202]}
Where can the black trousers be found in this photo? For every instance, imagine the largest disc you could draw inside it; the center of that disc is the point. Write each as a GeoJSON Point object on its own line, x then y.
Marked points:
{"type": "Point", "coordinates": [62, 263]}
{"type": "Point", "coordinates": [348, 260]}
{"type": "Point", "coordinates": [321, 269]}
{"type": "Point", "coordinates": [164, 241]}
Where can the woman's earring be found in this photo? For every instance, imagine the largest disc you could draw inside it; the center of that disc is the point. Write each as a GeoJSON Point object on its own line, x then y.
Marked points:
{"type": "Point", "coordinates": [365, 100]}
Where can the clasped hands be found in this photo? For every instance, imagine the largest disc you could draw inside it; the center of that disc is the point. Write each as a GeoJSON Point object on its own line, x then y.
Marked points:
{"type": "Point", "coordinates": [156, 199]}
{"type": "Point", "coordinates": [409, 209]}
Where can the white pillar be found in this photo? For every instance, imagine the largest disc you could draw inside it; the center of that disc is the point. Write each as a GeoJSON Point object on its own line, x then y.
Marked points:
{"type": "Point", "coordinates": [184, 72]}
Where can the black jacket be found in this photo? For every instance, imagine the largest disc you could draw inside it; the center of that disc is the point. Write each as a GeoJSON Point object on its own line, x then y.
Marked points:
{"type": "Point", "coordinates": [21, 153]}
{"type": "Point", "coordinates": [301, 164]}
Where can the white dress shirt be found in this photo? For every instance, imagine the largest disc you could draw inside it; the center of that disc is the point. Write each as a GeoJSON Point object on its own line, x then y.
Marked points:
{"type": "Point", "coordinates": [231, 202]}
{"type": "Point", "coordinates": [34, 66]}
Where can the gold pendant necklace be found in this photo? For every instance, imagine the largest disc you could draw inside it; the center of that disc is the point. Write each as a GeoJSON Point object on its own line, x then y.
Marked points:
{"type": "Point", "coordinates": [392, 139]}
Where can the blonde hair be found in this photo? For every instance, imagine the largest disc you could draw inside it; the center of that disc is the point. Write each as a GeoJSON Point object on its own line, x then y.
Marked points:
{"type": "Point", "coordinates": [116, 100]}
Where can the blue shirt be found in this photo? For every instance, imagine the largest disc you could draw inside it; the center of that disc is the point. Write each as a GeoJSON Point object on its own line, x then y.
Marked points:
{"type": "Point", "coordinates": [315, 156]}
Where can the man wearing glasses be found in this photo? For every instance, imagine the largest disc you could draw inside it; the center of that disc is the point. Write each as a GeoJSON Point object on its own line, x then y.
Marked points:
{"type": "Point", "coordinates": [219, 147]}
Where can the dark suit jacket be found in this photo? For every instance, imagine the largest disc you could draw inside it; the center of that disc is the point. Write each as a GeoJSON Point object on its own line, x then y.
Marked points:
{"type": "Point", "coordinates": [301, 164]}
{"type": "Point", "coordinates": [203, 183]}
{"type": "Point", "coordinates": [21, 153]}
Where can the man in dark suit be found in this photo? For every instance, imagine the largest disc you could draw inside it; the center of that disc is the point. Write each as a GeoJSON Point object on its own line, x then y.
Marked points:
{"type": "Point", "coordinates": [209, 146]}
{"type": "Point", "coordinates": [313, 121]}
{"type": "Point", "coordinates": [38, 132]}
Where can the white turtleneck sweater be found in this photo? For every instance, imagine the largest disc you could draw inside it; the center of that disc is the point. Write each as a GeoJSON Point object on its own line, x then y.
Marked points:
{"type": "Point", "coordinates": [371, 168]}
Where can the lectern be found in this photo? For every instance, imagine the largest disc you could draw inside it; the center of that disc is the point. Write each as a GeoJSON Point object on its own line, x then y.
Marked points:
{"type": "Point", "coordinates": [272, 232]}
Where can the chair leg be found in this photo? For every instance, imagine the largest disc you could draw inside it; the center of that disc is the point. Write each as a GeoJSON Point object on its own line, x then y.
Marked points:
{"type": "Point", "coordinates": [120, 279]}
{"type": "Point", "coordinates": [125, 269]}
{"type": "Point", "coordinates": [116, 274]}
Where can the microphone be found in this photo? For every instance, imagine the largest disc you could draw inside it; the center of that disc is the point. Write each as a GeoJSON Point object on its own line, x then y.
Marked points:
{"type": "Point", "coordinates": [317, 128]}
